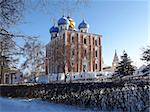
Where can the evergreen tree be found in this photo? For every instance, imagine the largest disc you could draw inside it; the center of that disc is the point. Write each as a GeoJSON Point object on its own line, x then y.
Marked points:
{"type": "Point", "coordinates": [146, 54]}
{"type": "Point", "coordinates": [146, 58]}
{"type": "Point", "coordinates": [124, 66]}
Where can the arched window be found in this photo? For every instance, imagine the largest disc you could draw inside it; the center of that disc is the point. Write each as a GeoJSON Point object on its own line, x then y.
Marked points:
{"type": "Point", "coordinates": [84, 40]}
{"type": "Point", "coordinates": [73, 39]}
{"type": "Point", "coordinates": [85, 53]}
{"type": "Point", "coordinates": [95, 66]}
{"type": "Point", "coordinates": [96, 53]}
{"type": "Point", "coordinates": [95, 42]}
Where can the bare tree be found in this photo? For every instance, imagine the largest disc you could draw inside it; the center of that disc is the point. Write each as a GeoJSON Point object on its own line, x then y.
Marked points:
{"type": "Point", "coordinates": [9, 48]}
{"type": "Point", "coordinates": [10, 12]}
{"type": "Point", "coordinates": [33, 55]}
{"type": "Point", "coordinates": [9, 52]}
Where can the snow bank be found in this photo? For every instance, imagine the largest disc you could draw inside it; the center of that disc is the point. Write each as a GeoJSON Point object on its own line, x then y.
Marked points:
{"type": "Point", "coordinates": [24, 105]}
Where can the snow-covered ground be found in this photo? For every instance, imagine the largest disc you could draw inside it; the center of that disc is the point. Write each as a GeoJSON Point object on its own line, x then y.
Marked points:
{"type": "Point", "coordinates": [29, 105]}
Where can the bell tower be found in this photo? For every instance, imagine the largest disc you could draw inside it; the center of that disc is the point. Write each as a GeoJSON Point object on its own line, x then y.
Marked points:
{"type": "Point", "coordinates": [115, 61]}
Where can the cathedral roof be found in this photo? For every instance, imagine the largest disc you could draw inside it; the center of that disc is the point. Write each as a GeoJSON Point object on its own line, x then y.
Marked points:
{"type": "Point", "coordinates": [63, 20]}
{"type": "Point", "coordinates": [83, 24]}
{"type": "Point", "coordinates": [54, 29]}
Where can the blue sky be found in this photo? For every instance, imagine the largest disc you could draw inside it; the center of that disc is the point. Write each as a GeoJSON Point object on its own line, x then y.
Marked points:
{"type": "Point", "coordinates": [122, 23]}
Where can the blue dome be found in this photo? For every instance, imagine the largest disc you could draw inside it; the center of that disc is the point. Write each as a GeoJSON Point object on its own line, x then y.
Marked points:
{"type": "Point", "coordinates": [54, 29]}
{"type": "Point", "coordinates": [63, 21]}
{"type": "Point", "coordinates": [83, 24]}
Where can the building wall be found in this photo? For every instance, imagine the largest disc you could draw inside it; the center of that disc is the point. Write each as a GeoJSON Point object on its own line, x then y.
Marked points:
{"type": "Point", "coordinates": [68, 52]}
{"type": "Point", "coordinates": [74, 51]}
{"type": "Point", "coordinates": [55, 55]}
{"type": "Point", "coordinates": [76, 39]}
{"type": "Point", "coordinates": [89, 52]}
{"type": "Point", "coordinates": [13, 77]}
{"type": "Point", "coordinates": [99, 53]}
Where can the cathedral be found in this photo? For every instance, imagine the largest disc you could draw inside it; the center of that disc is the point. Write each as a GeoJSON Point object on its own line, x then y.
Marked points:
{"type": "Point", "coordinates": [71, 49]}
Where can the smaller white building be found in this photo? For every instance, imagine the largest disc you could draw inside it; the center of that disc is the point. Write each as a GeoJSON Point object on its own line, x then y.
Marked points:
{"type": "Point", "coordinates": [42, 79]}
{"type": "Point", "coordinates": [79, 76]}
{"type": "Point", "coordinates": [13, 77]}
{"type": "Point", "coordinates": [18, 78]}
